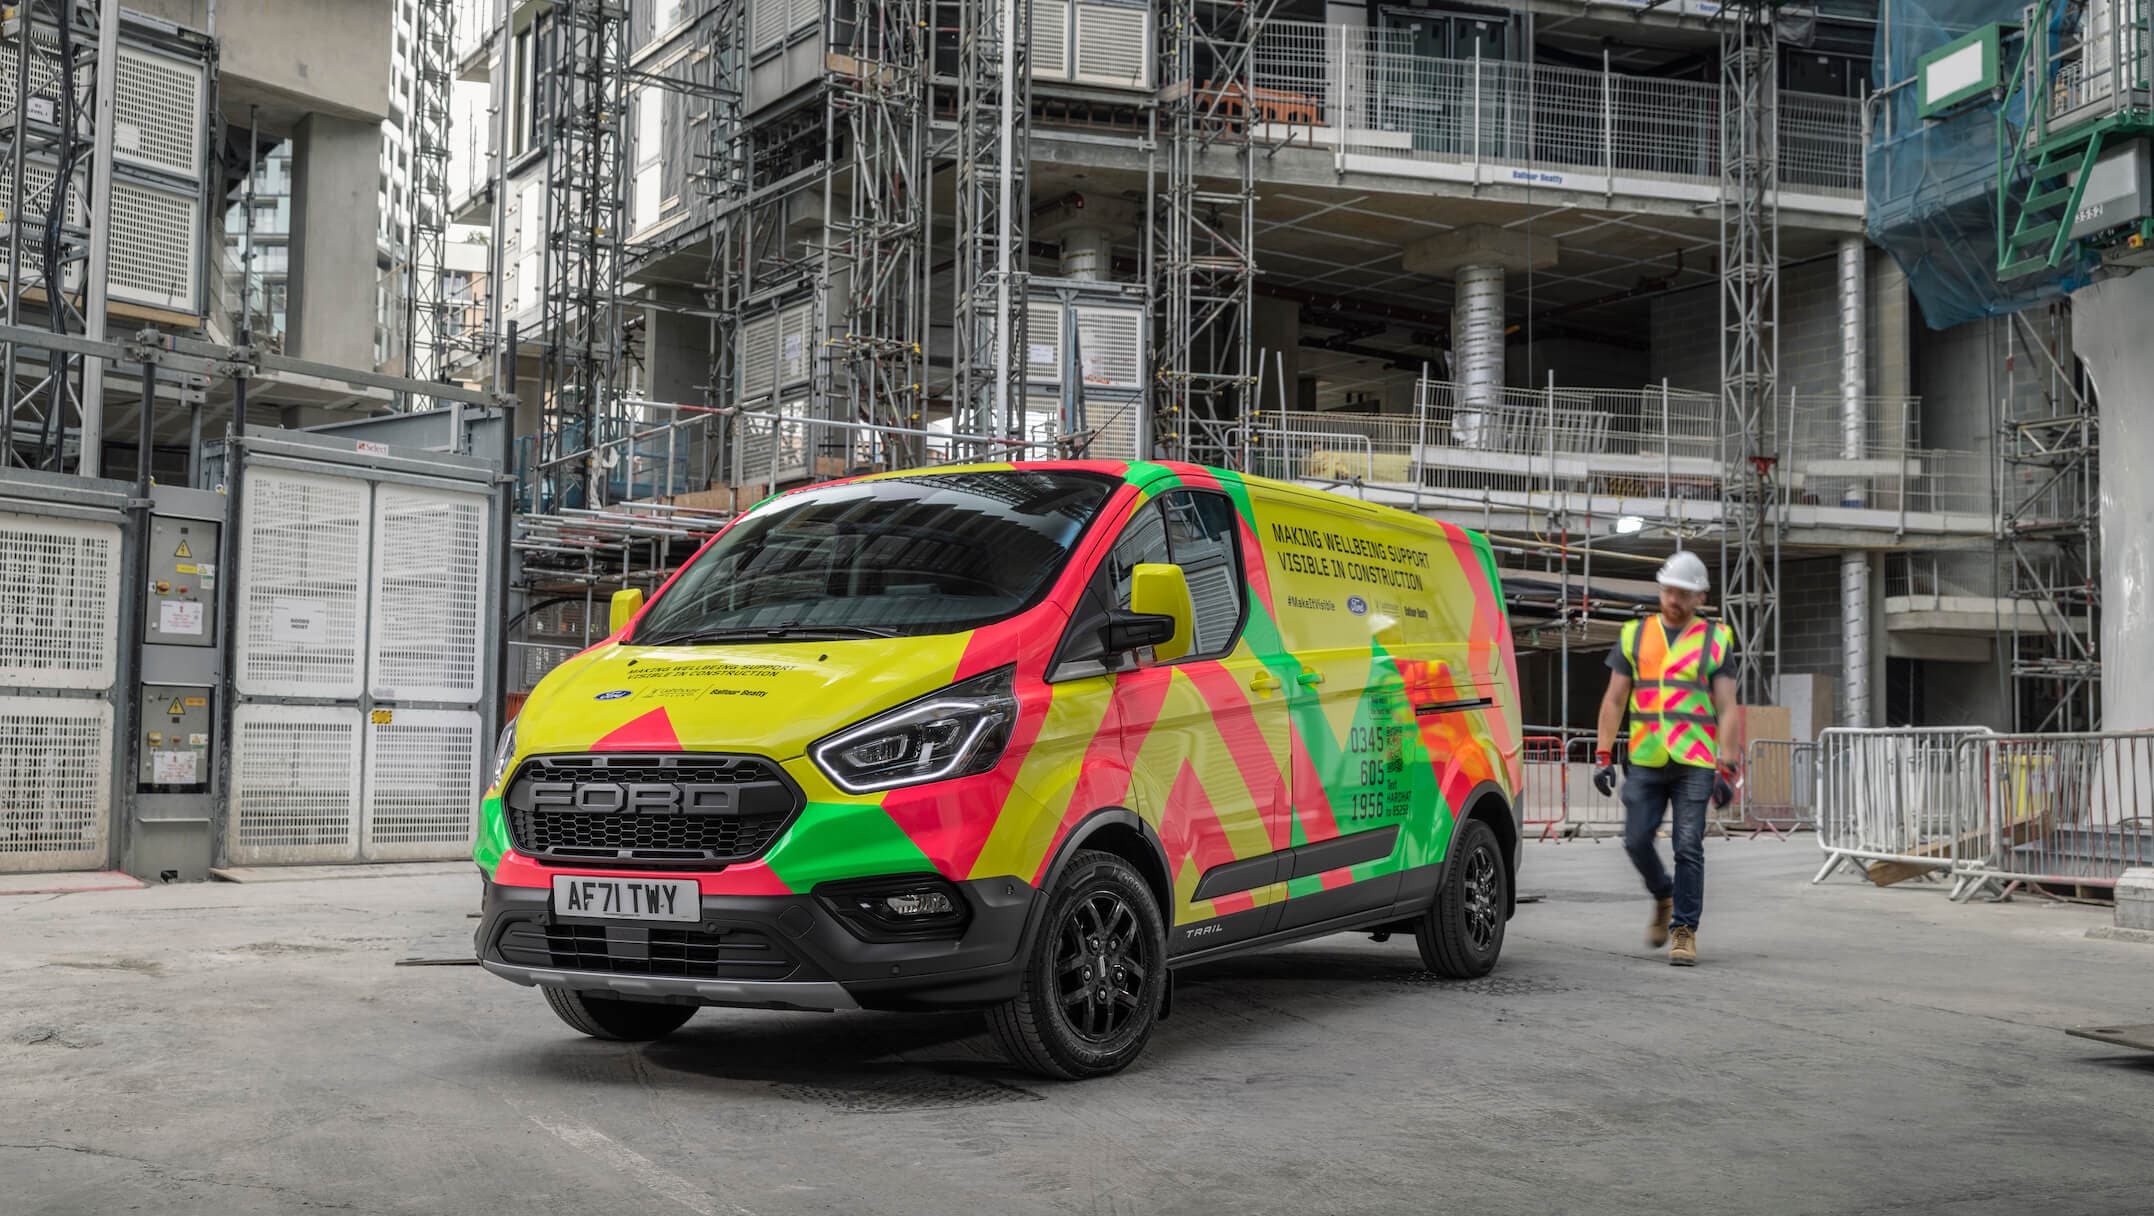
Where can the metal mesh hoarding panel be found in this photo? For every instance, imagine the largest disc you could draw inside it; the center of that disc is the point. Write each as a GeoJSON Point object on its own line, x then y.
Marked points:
{"type": "Point", "coordinates": [428, 586]}
{"type": "Point", "coordinates": [59, 602]}
{"type": "Point", "coordinates": [302, 579]}
{"type": "Point", "coordinates": [55, 783]}
{"type": "Point", "coordinates": [422, 783]}
{"type": "Point", "coordinates": [295, 784]}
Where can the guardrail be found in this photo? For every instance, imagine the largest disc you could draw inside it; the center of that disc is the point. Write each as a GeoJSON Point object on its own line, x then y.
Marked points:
{"type": "Point", "coordinates": [1544, 796]}
{"type": "Point", "coordinates": [1908, 797]}
{"type": "Point", "coordinates": [2072, 810]}
{"type": "Point", "coordinates": [1364, 91]}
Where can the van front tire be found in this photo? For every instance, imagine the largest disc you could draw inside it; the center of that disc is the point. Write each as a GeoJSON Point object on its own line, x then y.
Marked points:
{"type": "Point", "coordinates": [1093, 978]}
{"type": "Point", "coordinates": [1461, 935]}
{"type": "Point", "coordinates": [615, 1019]}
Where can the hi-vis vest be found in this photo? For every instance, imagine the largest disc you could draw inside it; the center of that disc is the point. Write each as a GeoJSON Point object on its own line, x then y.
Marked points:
{"type": "Point", "coordinates": [1671, 698]}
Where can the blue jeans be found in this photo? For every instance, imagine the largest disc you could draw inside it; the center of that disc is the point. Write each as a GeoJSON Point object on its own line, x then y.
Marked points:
{"type": "Point", "coordinates": [1646, 795]}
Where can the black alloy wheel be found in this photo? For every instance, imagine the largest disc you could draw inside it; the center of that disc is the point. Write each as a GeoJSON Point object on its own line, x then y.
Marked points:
{"type": "Point", "coordinates": [1461, 935]}
{"type": "Point", "coordinates": [1094, 975]}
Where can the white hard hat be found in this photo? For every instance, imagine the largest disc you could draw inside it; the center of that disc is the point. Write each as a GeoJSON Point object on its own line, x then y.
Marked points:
{"type": "Point", "coordinates": [1683, 570]}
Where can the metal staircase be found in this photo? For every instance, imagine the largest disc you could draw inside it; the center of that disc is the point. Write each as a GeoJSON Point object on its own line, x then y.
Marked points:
{"type": "Point", "coordinates": [2081, 88]}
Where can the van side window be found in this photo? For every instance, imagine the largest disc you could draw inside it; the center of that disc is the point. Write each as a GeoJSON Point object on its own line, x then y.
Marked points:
{"type": "Point", "coordinates": [1201, 536]}
{"type": "Point", "coordinates": [1190, 529]}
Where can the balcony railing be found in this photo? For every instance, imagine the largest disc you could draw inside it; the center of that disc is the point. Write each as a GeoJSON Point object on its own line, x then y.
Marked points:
{"type": "Point", "coordinates": [1363, 91]}
{"type": "Point", "coordinates": [1650, 451]}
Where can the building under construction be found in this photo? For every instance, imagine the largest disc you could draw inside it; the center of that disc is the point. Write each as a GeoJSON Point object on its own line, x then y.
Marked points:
{"type": "Point", "coordinates": [1593, 277]}
{"type": "Point", "coordinates": [1602, 279]}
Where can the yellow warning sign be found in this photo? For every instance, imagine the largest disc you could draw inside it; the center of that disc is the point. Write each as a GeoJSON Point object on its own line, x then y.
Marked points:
{"type": "Point", "coordinates": [197, 702]}
{"type": "Point", "coordinates": [183, 550]}
{"type": "Point", "coordinates": [383, 717]}
{"type": "Point", "coordinates": [176, 708]}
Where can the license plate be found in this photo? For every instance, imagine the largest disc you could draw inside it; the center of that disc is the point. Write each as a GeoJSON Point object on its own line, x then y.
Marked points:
{"type": "Point", "coordinates": [626, 898]}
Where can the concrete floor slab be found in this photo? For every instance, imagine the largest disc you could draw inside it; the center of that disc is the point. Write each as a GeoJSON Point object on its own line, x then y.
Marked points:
{"type": "Point", "coordinates": [245, 1049]}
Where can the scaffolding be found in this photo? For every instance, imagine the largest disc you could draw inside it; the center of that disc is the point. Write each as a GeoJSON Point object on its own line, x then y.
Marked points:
{"type": "Point", "coordinates": [1750, 344]}
{"type": "Point", "coordinates": [1203, 242]}
{"type": "Point", "coordinates": [59, 169]}
{"type": "Point", "coordinates": [992, 240]}
{"type": "Point", "coordinates": [871, 363]}
{"type": "Point", "coordinates": [586, 90]}
{"type": "Point", "coordinates": [2049, 541]}
{"type": "Point", "coordinates": [429, 321]}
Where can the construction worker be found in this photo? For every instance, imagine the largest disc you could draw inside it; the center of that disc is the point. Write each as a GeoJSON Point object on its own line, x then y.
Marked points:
{"type": "Point", "coordinates": [1676, 672]}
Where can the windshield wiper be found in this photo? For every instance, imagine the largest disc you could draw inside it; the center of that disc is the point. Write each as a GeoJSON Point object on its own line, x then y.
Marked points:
{"type": "Point", "coordinates": [770, 633]}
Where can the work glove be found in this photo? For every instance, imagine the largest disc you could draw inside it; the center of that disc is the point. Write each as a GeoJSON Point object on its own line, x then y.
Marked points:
{"type": "Point", "coordinates": [1604, 773]}
{"type": "Point", "coordinates": [1724, 783]}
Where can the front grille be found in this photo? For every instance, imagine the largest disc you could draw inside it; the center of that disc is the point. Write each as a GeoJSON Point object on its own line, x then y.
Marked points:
{"type": "Point", "coordinates": [690, 811]}
{"type": "Point", "coordinates": [690, 952]}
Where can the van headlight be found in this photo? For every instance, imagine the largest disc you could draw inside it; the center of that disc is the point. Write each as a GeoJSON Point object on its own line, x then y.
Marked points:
{"type": "Point", "coordinates": [956, 732]}
{"type": "Point", "coordinates": [504, 751]}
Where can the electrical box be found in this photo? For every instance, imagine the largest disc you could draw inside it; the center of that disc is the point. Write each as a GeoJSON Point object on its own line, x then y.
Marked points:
{"type": "Point", "coordinates": [173, 750]}
{"type": "Point", "coordinates": [182, 575]}
{"type": "Point", "coordinates": [2119, 191]}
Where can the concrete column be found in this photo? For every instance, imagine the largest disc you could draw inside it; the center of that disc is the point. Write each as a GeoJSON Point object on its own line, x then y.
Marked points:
{"type": "Point", "coordinates": [1087, 255]}
{"type": "Point", "coordinates": [2109, 331]}
{"type": "Point", "coordinates": [1477, 355]}
{"type": "Point", "coordinates": [1476, 259]}
{"type": "Point", "coordinates": [336, 206]}
{"type": "Point", "coordinates": [1855, 617]}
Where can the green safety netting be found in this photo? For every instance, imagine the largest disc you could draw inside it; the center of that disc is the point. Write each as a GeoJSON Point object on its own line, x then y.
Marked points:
{"type": "Point", "coordinates": [1932, 186]}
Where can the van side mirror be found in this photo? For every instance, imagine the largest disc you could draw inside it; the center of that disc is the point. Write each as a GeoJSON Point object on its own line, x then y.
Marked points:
{"type": "Point", "coordinates": [1161, 589]}
{"type": "Point", "coordinates": [1127, 631]}
{"type": "Point", "coordinates": [625, 606]}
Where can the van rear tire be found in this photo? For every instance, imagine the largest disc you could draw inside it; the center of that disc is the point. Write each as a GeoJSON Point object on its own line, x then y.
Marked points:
{"type": "Point", "coordinates": [617, 1019]}
{"type": "Point", "coordinates": [1093, 978]}
{"type": "Point", "coordinates": [1461, 935]}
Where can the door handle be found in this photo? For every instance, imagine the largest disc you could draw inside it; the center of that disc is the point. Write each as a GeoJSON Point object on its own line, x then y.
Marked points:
{"type": "Point", "coordinates": [1310, 677]}
{"type": "Point", "coordinates": [1264, 681]}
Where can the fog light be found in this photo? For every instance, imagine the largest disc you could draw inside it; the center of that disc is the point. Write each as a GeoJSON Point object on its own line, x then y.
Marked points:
{"type": "Point", "coordinates": [897, 907]}
{"type": "Point", "coordinates": [920, 903]}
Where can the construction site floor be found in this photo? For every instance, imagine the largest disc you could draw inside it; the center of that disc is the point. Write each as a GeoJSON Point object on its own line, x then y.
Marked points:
{"type": "Point", "coordinates": [253, 1048]}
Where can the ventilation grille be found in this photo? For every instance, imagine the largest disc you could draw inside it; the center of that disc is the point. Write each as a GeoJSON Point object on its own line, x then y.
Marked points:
{"type": "Point", "coordinates": [155, 244]}
{"type": "Point", "coordinates": [1050, 40]}
{"type": "Point", "coordinates": [302, 568]}
{"type": "Point", "coordinates": [1110, 341]}
{"type": "Point", "coordinates": [796, 344]}
{"type": "Point", "coordinates": [295, 783]}
{"type": "Point", "coordinates": [159, 113]}
{"type": "Point", "coordinates": [759, 357]}
{"type": "Point", "coordinates": [1112, 421]}
{"type": "Point", "coordinates": [55, 783]}
{"type": "Point", "coordinates": [59, 602]}
{"type": "Point", "coordinates": [429, 578]}
{"type": "Point", "coordinates": [422, 784]}
{"type": "Point", "coordinates": [1114, 47]}
{"type": "Point", "coordinates": [1043, 343]}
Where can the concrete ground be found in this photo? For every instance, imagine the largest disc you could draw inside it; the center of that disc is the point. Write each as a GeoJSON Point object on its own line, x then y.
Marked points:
{"type": "Point", "coordinates": [239, 1049]}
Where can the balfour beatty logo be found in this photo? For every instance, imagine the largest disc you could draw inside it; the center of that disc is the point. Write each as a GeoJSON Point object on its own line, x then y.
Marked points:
{"type": "Point", "coordinates": [634, 797]}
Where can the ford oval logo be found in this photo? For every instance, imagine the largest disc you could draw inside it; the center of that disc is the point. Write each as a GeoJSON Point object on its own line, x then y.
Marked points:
{"type": "Point", "coordinates": [615, 695]}
{"type": "Point", "coordinates": [1356, 605]}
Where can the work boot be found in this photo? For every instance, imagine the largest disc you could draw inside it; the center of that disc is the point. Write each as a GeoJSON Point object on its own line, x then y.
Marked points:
{"type": "Point", "coordinates": [1656, 930]}
{"type": "Point", "coordinates": [1685, 951]}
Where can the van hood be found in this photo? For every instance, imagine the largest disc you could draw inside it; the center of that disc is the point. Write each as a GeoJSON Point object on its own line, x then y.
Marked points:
{"type": "Point", "coordinates": [771, 698]}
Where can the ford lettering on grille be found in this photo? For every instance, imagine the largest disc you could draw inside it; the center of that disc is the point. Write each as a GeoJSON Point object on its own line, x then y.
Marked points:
{"type": "Point", "coordinates": [634, 797]}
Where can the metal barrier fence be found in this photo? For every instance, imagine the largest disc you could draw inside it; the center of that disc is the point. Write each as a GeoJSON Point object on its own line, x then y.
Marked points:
{"type": "Point", "coordinates": [1779, 787]}
{"type": "Point", "coordinates": [1907, 796]}
{"type": "Point", "coordinates": [2066, 809]}
{"type": "Point", "coordinates": [1544, 796]}
{"type": "Point", "coordinates": [1989, 810]}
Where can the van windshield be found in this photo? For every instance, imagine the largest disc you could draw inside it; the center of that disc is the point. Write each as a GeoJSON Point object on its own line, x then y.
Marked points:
{"type": "Point", "coordinates": [931, 553]}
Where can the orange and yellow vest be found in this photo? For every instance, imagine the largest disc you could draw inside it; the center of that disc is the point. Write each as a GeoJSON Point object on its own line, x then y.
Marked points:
{"type": "Point", "coordinates": [1671, 697]}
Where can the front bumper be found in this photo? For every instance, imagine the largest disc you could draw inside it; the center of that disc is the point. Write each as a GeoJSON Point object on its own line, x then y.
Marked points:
{"type": "Point", "coordinates": [761, 952]}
